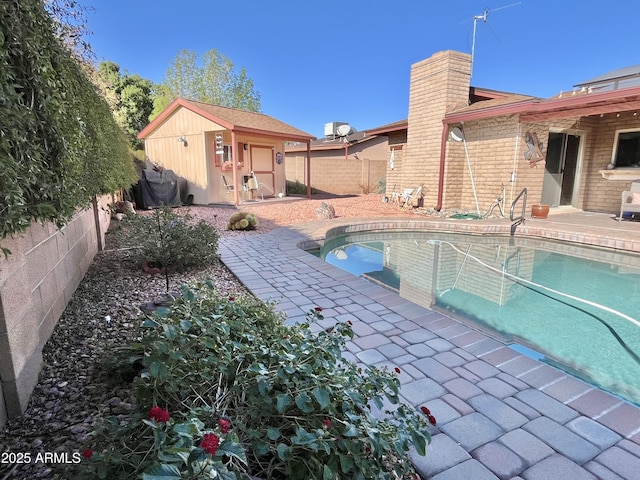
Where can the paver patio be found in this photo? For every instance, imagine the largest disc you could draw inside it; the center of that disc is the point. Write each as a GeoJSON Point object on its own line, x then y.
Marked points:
{"type": "Point", "coordinates": [500, 414]}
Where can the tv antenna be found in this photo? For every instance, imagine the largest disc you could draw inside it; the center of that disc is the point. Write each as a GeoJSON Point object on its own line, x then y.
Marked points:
{"type": "Point", "coordinates": [483, 17]}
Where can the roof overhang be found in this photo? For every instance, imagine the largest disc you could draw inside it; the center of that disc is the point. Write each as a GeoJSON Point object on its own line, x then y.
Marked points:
{"type": "Point", "coordinates": [570, 106]}
{"type": "Point", "coordinates": [175, 105]}
{"type": "Point", "coordinates": [390, 128]}
{"type": "Point", "coordinates": [180, 102]}
{"type": "Point", "coordinates": [269, 134]}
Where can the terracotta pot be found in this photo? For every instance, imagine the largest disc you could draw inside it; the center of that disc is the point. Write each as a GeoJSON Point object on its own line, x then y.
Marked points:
{"type": "Point", "coordinates": [539, 211]}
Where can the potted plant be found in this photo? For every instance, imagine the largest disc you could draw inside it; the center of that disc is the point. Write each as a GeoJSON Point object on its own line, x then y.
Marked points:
{"type": "Point", "coordinates": [539, 210]}
{"type": "Point", "coordinates": [228, 165]}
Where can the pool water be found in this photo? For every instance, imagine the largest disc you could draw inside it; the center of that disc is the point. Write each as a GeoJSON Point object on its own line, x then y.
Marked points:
{"type": "Point", "coordinates": [576, 306]}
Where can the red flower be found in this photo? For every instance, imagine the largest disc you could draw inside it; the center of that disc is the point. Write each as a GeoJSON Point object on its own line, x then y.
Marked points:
{"type": "Point", "coordinates": [318, 309]}
{"type": "Point", "coordinates": [231, 299]}
{"type": "Point", "coordinates": [158, 414]}
{"type": "Point", "coordinates": [210, 443]}
{"type": "Point", "coordinates": [327, 422]}
{"type": "Point", "coordinates": [349, 322]}
{"type": "Point", "coordinates": [224, 425]}
{"type": "Point", "coordinates": [425, 410]}
{"type": "Point", "coordinates": [88, 453]}
{"type": "Point", "coordinates": [397, 370]}
{"type": "Point", "coordinates": [432, 419]}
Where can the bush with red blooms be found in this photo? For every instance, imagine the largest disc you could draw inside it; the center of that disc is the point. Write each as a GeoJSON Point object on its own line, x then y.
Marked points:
{"type": "Point", "coordinates": [173, 450]}
{"type": "Point", "coordinates": [224, 425]}
{"type": "Point", "coordinates": [210, 443]}
{"type": "Point", "coordinates": [430, 417]}
{"type": "Point", "coordinates": [158, 414]}
{"type": "Point", "coordinates": [229, 391]}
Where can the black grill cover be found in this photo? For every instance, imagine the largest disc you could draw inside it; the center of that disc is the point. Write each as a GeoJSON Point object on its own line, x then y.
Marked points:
{"type": "Point", "coordinates": [157, 188]}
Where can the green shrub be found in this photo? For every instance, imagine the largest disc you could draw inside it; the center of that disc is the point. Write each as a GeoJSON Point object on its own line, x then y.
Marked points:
{"type": "Point", "coordinates": [166, 239]}
{"type": "Point", "coordinates": [242, 221]}
{"type": "Point", "coordinates": [298, 408]}
{"type": "Point", "coordinates": [163, 444]}
{"type": "Point", "coordinates": [297, 188]}
{"type": "Point", "coordinates": [59, 143]}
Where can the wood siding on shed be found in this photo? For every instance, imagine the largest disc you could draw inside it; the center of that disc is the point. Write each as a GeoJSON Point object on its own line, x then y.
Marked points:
{"type": "Point", "coordinates": [196, 161]}
{"type": "Point", "coordinates": [190, 162]}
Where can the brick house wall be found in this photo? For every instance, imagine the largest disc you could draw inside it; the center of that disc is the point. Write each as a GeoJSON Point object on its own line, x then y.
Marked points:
{"type": "Point", "coordinates": [600, 194]}
{"type": "Point", "coordinates": [395, 181]}
{"type": "Point", "coordinates": [496, 147]}
{"type": "Point", "coordinates": [439, 85]}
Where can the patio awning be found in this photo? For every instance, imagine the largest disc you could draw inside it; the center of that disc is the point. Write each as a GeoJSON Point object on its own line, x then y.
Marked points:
{"type": "Point", "coordinates": [569, 105]}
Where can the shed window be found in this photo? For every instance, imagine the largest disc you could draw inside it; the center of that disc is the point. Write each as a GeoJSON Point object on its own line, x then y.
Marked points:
{"type": "Point", "coordinates": [224, 156]}
{"type": "Point", "coordinates": [627, 149]}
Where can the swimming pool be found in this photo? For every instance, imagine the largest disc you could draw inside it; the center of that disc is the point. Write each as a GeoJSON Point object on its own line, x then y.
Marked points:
{"type": "Point", "coordinates": [577, 306]}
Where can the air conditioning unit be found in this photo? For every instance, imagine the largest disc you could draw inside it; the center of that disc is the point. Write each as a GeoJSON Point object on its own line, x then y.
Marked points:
{"type": "Point", "coordinates": [331, 129]}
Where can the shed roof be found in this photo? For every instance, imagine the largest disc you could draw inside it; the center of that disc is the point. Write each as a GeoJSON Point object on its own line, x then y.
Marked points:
{"type": "Point", "coordinates": [240, 121]}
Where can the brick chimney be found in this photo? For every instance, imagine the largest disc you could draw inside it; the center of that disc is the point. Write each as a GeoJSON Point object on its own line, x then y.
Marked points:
{"type": "Point", "coordinates": [439, 85]}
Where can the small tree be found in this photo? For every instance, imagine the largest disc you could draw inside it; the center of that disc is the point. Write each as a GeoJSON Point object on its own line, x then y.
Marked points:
{"type": "Point", "coordinates": [167, 241]}
{"type": "Point", "coordinates": [213, 80]}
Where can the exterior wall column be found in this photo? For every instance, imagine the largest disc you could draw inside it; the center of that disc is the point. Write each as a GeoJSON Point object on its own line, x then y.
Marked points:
{"type": "Point", "coordinates": [439, 85]}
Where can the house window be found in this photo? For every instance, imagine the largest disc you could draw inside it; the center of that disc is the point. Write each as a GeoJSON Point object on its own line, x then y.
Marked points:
{"type": "Point", "coordinates": [627, 149]}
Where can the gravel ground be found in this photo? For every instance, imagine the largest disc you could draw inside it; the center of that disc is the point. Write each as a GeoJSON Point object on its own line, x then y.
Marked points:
{"type": "Point", "coordinates": [105, 311]}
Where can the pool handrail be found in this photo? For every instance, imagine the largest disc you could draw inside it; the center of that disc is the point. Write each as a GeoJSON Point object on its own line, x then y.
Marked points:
{"type": "Point", "coordinates": [520, 219]}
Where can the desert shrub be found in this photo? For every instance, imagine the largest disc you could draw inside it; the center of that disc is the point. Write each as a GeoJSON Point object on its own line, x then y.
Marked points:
{"type": "Point", "coordinates": [242, 221]}
{"type": "Point", "coordinates": [166, 239]}
{"type": "Point", "coordinates": [282, 400]}
{"type": "Point", "coordinates": [297, 188]}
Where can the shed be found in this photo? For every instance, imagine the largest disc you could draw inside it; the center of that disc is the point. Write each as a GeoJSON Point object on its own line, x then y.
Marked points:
{"type": "Point", "coordinates": [216, 149]}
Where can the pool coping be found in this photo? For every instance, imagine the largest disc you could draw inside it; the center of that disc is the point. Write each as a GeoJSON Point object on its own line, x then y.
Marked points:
{"type": "Point", "coordinates": [500, 413]}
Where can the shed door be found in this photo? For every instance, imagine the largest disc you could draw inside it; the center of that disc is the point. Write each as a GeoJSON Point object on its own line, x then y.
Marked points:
{"type": "Point", "coordinates": [262, 165]}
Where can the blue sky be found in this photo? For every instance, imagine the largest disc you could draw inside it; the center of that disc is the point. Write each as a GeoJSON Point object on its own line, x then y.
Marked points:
{"type": "Point", "coordinates": [315, 62]}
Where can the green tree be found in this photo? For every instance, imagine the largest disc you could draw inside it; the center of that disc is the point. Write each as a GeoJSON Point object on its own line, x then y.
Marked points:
{"type": "Point", "coordinates": [161, 99]}
{"type": "Point", "coordinates": [213, 79]}
{"type": "Point", "coordinates": [129, 96]}
{"type": "Point", "coordinates": [71, 26]}
{"type": "Point", "coordinates": [59, 143]}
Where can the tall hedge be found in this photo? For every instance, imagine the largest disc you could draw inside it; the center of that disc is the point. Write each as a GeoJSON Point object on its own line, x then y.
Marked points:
{"type": "Point", "coordinates": [59, 143]}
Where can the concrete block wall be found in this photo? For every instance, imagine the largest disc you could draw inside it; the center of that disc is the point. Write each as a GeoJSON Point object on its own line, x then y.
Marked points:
{"type": "Point", "coordinates": [335, 174]}
{"type": "Point", "coordinates": [36, 282]}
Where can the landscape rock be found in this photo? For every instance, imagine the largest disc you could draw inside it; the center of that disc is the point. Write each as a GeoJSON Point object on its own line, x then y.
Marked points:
{"type": "Point", "coordinates": [326, 211]}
